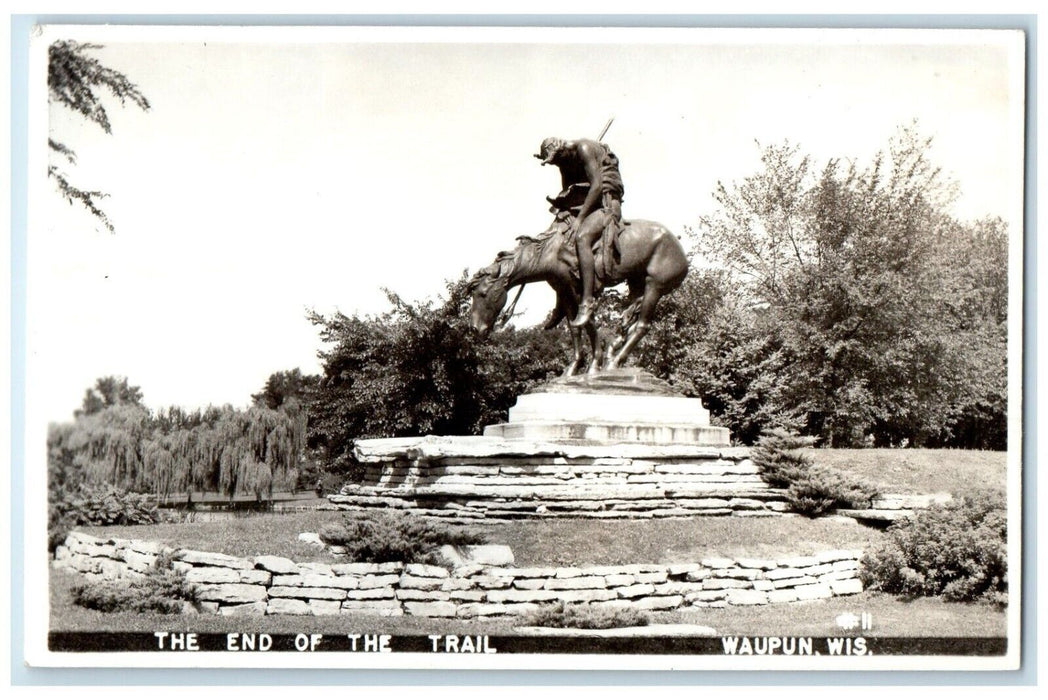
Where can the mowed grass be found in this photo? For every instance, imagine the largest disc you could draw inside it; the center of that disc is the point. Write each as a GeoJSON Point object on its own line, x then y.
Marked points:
{"type": "Point", "coordinates": [892, 617]}
{"type": "Point", "coordinates": [582, 542]}
{"type": "Point", "coordinates": [919, 470]}
{"type": "Point", "coordinates": [568, 542]}
{"type": "Point", "coordinates": [246, 536]}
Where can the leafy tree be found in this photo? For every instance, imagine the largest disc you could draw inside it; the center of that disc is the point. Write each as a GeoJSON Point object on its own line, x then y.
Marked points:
{"type": "Point", "coordinates": [734, 365]}
{"type": "Point", "coordinates": [879, 323]}
{"type": "Point", "coordinates": [284, 386]}
{"type": "Point", "coordinates": [109, 391]}
{"type": "Point", "coordinates": [74, 80]}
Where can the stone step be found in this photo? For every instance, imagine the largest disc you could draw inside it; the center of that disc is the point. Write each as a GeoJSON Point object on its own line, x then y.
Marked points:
{"type": "Point", "coordinates": [612, 433]}
{"type": "Point", "coordinates": [431, 448]}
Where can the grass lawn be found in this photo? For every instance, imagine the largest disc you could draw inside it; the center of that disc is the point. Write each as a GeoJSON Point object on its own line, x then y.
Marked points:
{"type": "Point", "coordinates": [891, 618]}
{"type": "Point", "coordinates": [285, 498]}
{"type": "Point", "coordinates": [581, 542]}
{"type": "Point", "coordinates": [246, 536]}
{"type": "Point", "coordinates": [541, 543]}
{"type": "Point", "coordinates": [919, 470]}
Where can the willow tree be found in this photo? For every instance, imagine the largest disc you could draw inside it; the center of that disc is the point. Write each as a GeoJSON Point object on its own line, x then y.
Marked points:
{"type": "Point", "coordinates": [218, 450]}
{"type": "Point", "coordinates": [254, 451]}
{"type": "Point", "coordinates": [108, 446]}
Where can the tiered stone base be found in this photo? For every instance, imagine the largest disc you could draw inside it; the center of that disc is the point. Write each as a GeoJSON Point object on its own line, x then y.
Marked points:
{"type": "Point", "coordinates": [489, 477]}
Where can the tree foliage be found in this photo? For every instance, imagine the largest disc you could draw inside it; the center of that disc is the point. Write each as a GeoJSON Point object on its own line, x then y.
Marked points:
{"type": "Point", "coordinates": [109, 391]}
{"type": "Point", "coordinates": [75, 80]}
{"type": "Point", "coordinates": [283, 387]}
{"type": "Point", "coordinates": [419, 369]}
{"type": "Point", "coordinates": [858, 310]}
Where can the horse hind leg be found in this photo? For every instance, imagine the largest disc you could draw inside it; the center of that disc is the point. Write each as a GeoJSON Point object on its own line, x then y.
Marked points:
{"type": "Point", "coordinates": [596, 347]}
{"type": "Point", "coordinates": [629, 318]}
{"type": "Point", "coordinates": [639, 328]}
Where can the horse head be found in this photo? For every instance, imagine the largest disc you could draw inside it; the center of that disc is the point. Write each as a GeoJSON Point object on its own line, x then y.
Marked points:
{"type": "Point", "coordinates": [488, 291]}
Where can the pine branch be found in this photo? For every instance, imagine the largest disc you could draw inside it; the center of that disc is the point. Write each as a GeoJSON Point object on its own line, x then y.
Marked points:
{"type": "Point", "coordinates": [73, 76]}
{"type": "Point", "coordinates": [87, 198]}
{"type": "Point", "coordinates": [73, 79]}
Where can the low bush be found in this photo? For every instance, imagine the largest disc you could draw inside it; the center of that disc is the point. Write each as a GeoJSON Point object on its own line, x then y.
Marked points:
{"type": "Point", "coordinates": [811, 489]}
{"type": "Point", "coordinates": [957, 551]}
{"type": "Point", "coordinates": [95, 505]}
{"type": "Point", "coordinates": [383, 537]}
{"type": "Point", "coordinates": [586, 617]}
{"type": "Point", "coordinates": [161, 589]}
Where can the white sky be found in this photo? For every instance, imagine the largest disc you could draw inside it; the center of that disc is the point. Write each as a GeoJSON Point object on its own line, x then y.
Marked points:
{"type": "Point", "coordinates": [277, 174]}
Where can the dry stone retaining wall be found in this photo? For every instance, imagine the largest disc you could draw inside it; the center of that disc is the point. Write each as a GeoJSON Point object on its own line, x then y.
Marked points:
{"type": "Point", "coordinates": [491, 478]}
{"type": "Point", "coordinates": [275, 585]}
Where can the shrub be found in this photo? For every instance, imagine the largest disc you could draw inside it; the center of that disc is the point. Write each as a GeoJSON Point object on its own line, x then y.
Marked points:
{"type": "Point", "coordinates": [385, 537]}
{"type": "Point", "coordinates": [161, 589]}
{"type": "Point", "coordinates": [95, 505]}
{"type": "Point", "coordinates": [957, 551]}
{"type": "Point", "coordinates": [587, 617]}
{"type": "Point", "coordinates": [811, 489]}
{"type": "Point", "coordinates": [779, 458]}
{"type": "Point", "coordinates": [107, 505]}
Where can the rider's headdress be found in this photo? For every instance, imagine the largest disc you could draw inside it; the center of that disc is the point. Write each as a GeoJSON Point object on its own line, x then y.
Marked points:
{"type": "Point", "coordinates": [548, 149]}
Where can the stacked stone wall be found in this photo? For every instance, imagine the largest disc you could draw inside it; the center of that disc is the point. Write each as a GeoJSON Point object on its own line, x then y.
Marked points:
{"type": "Point", "coordinates": [274, 585]}
{"type": "Point", "coordinates": [504, 480]}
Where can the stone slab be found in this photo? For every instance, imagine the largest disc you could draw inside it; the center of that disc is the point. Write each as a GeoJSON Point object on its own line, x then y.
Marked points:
{"type": "Point", "coordinates": [232, 592]}
{"type": "Point", "coordinates": [488, 555]}
{"type": "Point", "coordinates": [587, 407]}
{"type": "Point", "coordinates": [256, 608]}
{"type": "Point", "coordinates": [612, 433]}
{"type": "Point", "coordinates": [325, 607]}
{"type": "Point", "coordinates": [213, 559]}
{"type": "Point", "coordinates": [431, 448]}
{"type": "Point", "coordinates": [306, 592]}
{"type": "Point", "coordinates": [441, 608]}
{"type": "Point", "coordinates": [288, 606]}
{"type": "Point", "coordinates": [846, 587]}
{"type": "Point", "coordinates": [212, 574]}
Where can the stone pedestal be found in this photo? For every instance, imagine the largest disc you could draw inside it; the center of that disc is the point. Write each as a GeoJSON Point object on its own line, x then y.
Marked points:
{"type": "Point", "coordinates": [623, 406]}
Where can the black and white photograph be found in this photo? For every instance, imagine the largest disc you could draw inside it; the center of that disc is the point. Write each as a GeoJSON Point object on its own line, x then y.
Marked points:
{"type": "Point", "coordinates": [524, 348]}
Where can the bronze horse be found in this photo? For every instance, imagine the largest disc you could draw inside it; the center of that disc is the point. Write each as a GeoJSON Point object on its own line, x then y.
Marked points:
{"type": "Point", "coordinates": [649, 259]}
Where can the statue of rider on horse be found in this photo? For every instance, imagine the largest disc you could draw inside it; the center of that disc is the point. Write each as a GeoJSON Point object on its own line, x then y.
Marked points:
{"type": "Point", "coordinates": [587, 248]}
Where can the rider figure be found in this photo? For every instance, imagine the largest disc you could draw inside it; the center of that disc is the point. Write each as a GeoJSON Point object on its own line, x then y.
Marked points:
{"type": "Point", "coordinates": [592, 165]}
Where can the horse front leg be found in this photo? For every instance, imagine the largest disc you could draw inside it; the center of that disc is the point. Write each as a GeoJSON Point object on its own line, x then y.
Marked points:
{"type": "Point", "coordinates": [566, 308]}
{"type": "Point", "coordinates": [576, 347]}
